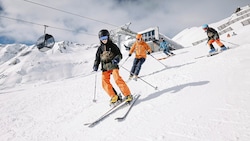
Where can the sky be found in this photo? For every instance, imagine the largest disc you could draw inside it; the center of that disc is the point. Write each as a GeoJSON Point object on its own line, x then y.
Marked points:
{"type": "Point", "coordinates": [48, 96]}
{"type": "Point", "coordinates": [80, 21]}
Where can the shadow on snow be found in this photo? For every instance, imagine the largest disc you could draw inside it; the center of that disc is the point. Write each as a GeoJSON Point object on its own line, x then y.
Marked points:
{"type": "Point", "coordinates": [174, 89]}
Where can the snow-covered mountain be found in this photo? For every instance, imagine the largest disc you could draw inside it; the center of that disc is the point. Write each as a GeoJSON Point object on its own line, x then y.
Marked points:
{"type": "Point", "coordinates": [48, 96]}
{"type": "Point", "coordinates": [233, 24]}
{"type": "Point", "coordinates": [26, 64]}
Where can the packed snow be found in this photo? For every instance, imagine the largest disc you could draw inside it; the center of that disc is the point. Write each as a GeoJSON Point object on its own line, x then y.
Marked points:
{"type": "Point", "coordinates": [48, 96]}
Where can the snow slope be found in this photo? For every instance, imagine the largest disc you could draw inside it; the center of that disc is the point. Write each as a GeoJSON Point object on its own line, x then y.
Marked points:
{"type": "Point", "coordinates": [204, 99]}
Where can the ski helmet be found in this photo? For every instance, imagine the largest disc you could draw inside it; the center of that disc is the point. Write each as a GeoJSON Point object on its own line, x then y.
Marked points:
{"type": "Point", "coordinates": [205, 26]}
{"type": "Point", "coordinates": [103, 32]}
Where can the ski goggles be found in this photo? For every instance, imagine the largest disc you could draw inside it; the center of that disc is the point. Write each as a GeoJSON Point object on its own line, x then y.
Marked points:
{"type": "Point", "coordinates": [103, 38]}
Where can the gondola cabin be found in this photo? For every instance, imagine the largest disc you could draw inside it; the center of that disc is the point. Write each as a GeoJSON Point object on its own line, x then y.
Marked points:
{"type": "Point", "coordinates": [45, 42]}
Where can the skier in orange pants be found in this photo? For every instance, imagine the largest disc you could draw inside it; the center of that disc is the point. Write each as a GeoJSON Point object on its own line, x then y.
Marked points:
{"type": "Point", "coordinates": [213, 36]}
{"type": "Point", "coordinates": [109, 55]}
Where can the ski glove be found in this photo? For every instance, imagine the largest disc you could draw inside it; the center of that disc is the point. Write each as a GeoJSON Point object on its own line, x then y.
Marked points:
{"type": "Point", "coordinates": [148, 53]}
{"type": "Point", "coordinates": [95, 68]}
{"type": "Point", "coordinates": [115, 61]}
{"type": "Point", "coordinates": [129, 55]}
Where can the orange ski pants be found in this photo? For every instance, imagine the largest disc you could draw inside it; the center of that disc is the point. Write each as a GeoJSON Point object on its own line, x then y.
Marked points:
{"type": "Point", "coordinates": [118, 80]}
{"type": "Point", "coordinates": [217, 41]}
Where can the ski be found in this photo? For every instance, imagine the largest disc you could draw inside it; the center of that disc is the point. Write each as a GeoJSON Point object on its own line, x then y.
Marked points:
{"type": "Point", "coordinates": [200, 57]}
{"type": "Point", "coordinates": [208, 55]}
{"type": "Point", "coordinates": [106, 114]}
{"type": "Point", "coordinates": [109, 112]}
{"type": "Point", "coordinates": [212, 54]}
{"type": "Point", "coordinates": [217, 52]}
{"type": "Point", "coordinates": [129, 109]}
{"type": "Point", "coordinates": [166, 57]}
{"type": "Point", "coordinates": [163, 58]}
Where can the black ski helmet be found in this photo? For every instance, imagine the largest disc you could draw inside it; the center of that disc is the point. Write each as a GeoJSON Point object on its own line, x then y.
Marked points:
{"type": "Point", "coordinates": [103, 32]}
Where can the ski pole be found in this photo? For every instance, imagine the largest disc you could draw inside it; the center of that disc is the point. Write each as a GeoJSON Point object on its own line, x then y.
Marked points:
{"type": "Point", "coordinates": [158, 61]}
{"type": "Point", "coordinates": [155, 87]}
{"type": "Point", "coordinates": [230, 43]}
{"type": "Point", "coordinates": [94, 99]}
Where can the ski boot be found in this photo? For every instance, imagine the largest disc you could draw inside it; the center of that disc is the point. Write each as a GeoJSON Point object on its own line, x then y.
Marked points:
{"type": "Point", "coordinates": [223, 48]}
{"type": "Point", "coordinates": [136, 77]}
{"type": "Point", "coordinates": [115, 100]}
{"type": "Point", "coordinates": [128, 98]}
{"type": "Point", "coordinates": [130, 76]}
{"type": "Point", "coordinates": [212, 50]}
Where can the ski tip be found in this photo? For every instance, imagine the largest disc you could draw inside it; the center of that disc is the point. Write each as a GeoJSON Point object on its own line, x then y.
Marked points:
{"type": "Point", "coordinates": [86, 124]}
{"type": "Point", "coordinates": [91, 125]}
{"type": "Point", "coordinates": [136, 95]}
{"type": "Point", "coordinates": [119, 119]}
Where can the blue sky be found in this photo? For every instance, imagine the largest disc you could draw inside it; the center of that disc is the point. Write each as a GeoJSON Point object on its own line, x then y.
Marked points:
{"type": "Point", "coordinates": [79, 21]}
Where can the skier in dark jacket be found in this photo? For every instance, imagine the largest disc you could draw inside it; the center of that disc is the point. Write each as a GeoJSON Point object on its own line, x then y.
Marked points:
{"type": "Point", "coordinates": [213, 36]}
{"type": "Point", "coordinates": [109, 55]}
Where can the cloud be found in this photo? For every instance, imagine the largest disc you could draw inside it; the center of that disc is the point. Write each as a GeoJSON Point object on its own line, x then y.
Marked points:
{"type": "Point", "coordinates": [80, 21]}
{"type": "Point", "coordinates": [1, 8]}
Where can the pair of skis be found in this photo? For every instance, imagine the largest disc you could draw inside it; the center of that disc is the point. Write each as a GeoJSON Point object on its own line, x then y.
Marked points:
{"type": "Point", "coordinates": [217, 52]}
{"type": "Point", "coordinates": [163, 58]}
{"type": "Point", "coordinates": [113, 109]}
{"type": "Point", "coordinates": [212, 54]}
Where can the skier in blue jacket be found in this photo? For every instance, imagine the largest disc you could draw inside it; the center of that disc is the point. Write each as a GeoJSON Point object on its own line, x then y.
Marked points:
{"type": "Point", "coordinates": [165, 47]}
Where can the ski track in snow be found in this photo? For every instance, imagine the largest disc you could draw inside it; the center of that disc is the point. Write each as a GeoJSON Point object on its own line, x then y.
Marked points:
{"type": "Point", "coordinates": [182, 108]}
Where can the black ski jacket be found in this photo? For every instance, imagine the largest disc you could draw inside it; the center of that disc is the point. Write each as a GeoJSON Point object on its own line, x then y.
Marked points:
{"type": "Point", "coordinates": [212, 34]}
{"type": "Point", "coordinates": [106, 62]}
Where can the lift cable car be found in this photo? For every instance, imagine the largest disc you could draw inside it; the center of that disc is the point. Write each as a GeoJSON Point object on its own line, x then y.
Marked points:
{"type": "Point", "coordinates": [45, 42]}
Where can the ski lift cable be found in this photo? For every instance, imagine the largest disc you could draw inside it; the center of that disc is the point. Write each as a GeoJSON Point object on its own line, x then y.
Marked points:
{"type": "Point", "coordinates": [46, 25]}
{"type": "Point", "coordinates": [21, 20]}
{"type": "Point", "coordinates": [71, 13]}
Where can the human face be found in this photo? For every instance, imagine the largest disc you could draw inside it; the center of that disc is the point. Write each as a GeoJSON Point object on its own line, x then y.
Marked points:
{"type": "Point", "coordinates": [205, 29]}
{"type": "Point", "coordinates": [104, 39]}
{"type": "Point", "coordinates": [139, 39]}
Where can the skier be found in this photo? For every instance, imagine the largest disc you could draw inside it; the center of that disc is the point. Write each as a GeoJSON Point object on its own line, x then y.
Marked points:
{"type": "Point", "coordinates": [109, 55]}
{"type": "Point", "coordinates": [141, 49]}
{"type": "Point", "coordinates": [213, 36]}
{"type": "Point", "coordinates": [165, 47]}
